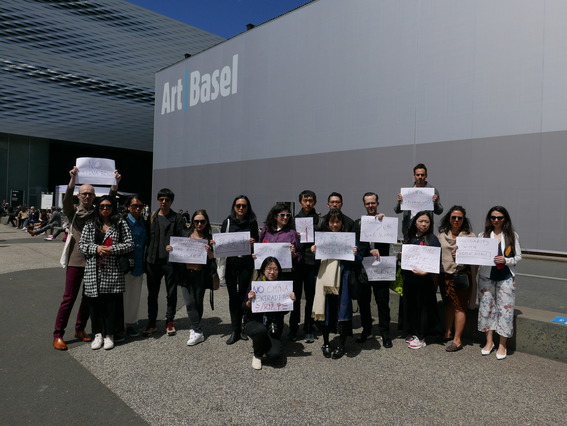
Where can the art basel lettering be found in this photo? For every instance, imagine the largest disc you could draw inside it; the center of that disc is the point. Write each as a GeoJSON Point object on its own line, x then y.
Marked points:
{"type": "Point", "coordinates": [197, 87]}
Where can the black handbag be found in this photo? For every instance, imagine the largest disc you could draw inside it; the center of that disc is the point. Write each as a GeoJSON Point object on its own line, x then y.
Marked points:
{"type": "Point", "coordinates": [356, 280]}
{"type": "Point", "coordinates": [461, 280]}
{"type": "Point", "coordinates": [125, 261]}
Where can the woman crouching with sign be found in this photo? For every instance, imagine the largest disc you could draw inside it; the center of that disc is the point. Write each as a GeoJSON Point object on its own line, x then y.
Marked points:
{"type": "Point", "coordinates": [265, 308]}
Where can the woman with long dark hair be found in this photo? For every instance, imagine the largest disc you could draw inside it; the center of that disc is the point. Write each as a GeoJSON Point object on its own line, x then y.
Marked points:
{"type": "Point", "coordinates": [497, 284]}
{"type": "Point", "coordinates": [198, 277]}
{"type": "Point", "coordinates": [332, 306]}
{"type": "Point", "coordinates": [265, 329]}
{"type": "Point", "coordinates": [103, 240]}
{"type": "Point", "coordinates": [420, 309]}
{"type": "Point", "coordinates": [133, 289]}
{"type": "Point", "coordinates": [239, 269]}
{"type": "Point", "coordinates": [456, 293]}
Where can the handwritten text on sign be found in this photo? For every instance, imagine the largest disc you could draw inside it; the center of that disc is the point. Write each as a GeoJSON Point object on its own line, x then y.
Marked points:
{"type": "Point", "coordinates": [383, 269]}
{"type": "Point", "coordinates": [422, 258]}
{"type": "Point", "coordinates": [417, 199]}
{"type": "Point", "coordinates": [304, 225]}
{"type": "Point", "coordinates": [95, 171]}
{"type": "Point", "coordinates": [232, 244]}
{"type": "Point", "coordinates": [188, 250]}
{"type": "Point", "coordinates": [379, 231]}
{"type": "Point", "coordinates": [280, 251]}
{"type": "Point", "coordinates": [272, 296]}
{"type": "Point", "coordinates": [335, 245]}
{"type": "Point", "coordinates": [476, 251]}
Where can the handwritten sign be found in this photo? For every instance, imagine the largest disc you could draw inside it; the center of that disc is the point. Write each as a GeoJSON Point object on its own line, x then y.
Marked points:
{"type": "Point", "coordinates": [476, 251]}
{"type": "Point", "coordinates": [383, 269]}
{"type": "Point", "coordinates": [304, 225]}
{"type": "Point", "coordinates": [272, 296]}
{"type": "Point", "coordinates": [232, 244]}
{"type": "Point", "coordinates": [379, 231]}
{"type": "Point", "coordinates": [188, 250]}
{"type": "Point", "coordinates": [422, 258]}
{"type": "Point", "coordinates": [95, 171]}
{"type": "Point", "coordinates": [417, 199]}
{"type": "Point", "coordinates": [335, 245]}
{"type": "Point", "coordinates": [280, 251]}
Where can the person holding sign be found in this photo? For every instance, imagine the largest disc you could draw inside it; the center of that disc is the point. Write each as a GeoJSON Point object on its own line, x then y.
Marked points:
{"type": "Point", "coordinates": [497, 284]}
{"type": "Point", "coordinates": [381, 289]}
{"type": "Point", "coordinates": [197, 277]}
{"type": "Point", "coordinates": [457, 282]}
{"type": "Point", "coordinates": [332, 307]}
{"type": "Point", "coordinates": [102, 242]}
{"type": "Point", "coordinates": [279, 228]}
{"type": "Point", "coordinates": [420, 302]}
{"type": "Point", "coordinates": [306, 271]}
{"type": "Point", "coordinates": [265, 328]}
{"type": "Point", "coordinates": [420, 181]}
{"type": "Point", "coordinates": [239, 269]}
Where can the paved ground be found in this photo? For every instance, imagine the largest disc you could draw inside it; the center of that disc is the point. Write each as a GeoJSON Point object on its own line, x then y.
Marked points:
{"type": "Point", "coordinates": [162, 381]}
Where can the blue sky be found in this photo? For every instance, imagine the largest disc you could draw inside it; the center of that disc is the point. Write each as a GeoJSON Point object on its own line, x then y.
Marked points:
{"type": "Point", "coordinates": [225, 18]}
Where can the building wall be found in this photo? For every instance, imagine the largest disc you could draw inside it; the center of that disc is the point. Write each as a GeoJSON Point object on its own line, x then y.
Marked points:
{"type": "Point", "coordinates": [349, 96]}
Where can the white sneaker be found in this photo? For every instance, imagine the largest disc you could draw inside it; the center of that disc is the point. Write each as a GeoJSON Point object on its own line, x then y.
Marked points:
{"type": "Point", "coordinates": [256, 363]}
{"type": "Point", "coordinates": [97, 342]}
{"type": "Point", "coordinates": [195, 338]}
{"type": "Point", "coordinates": [50, 238]}
{"type": "Point", "coordinates": [108, 342]}
{"type": "Point", "coordinates": [416, 344]}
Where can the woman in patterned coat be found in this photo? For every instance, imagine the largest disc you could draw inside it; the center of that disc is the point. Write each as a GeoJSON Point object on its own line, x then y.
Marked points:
{"type": "Point", "coordinates": [103, 240]}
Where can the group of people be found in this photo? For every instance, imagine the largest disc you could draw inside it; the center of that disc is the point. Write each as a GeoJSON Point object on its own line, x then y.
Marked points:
{"type": "Point", "coordinates": [111, 253]}
{"type": "Point", "coordinates": [48, 222]}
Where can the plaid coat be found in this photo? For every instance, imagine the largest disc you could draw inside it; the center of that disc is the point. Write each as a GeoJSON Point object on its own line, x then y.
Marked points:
{"type": "Point", "coordinates": [102, 275]}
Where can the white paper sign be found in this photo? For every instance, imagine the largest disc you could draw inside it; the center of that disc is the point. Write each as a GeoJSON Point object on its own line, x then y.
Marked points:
{"type": "Point", "coordinates": [379, 231]}
{"type": "Point", "coordinates": [476, 251]}
{"type": "Point", "coordinates": [232, 244]}
{"type": "Point", "coordinates": [280, 251]}
{"type": "Point", "coordinates": [304, 225]}
{"type": "Point", "coordinates": [422, 258]}
{"type": "Point", "coordinates": [272, 296]}
{"type": "Point", "coordinates": [188, 250]}
{"type": "Point", "coordinates": [95, 171]}
{"type": "Point", "coordinates": [383, 269]}
{"type": "Point", "coordinates": [335, 245]}
{"type": "Point", "coordinates": [417, 199]}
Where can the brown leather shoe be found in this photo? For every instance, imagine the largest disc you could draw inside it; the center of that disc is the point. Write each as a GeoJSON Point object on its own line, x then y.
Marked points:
{"type": "Point", "coordinates": [59, 344]}
{"type": "Point", "coordinates": [81, 335]}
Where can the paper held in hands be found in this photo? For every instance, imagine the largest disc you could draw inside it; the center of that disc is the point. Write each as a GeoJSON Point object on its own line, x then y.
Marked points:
{"type": "Point", "coordinates": [95, 171]}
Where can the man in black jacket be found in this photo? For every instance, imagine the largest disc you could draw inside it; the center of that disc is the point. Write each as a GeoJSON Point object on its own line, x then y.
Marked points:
{"type": "Point", "coordinates": [164, 224]}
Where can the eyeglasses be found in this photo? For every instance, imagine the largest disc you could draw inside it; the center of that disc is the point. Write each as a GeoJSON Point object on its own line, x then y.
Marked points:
{"type": "Point", "coordinates": [457, 218]}
{"type": "Point", "coordinates": [199, 222]}
{"type": "Point", "coordinates": [241, 206]}
{"type": "Point", "coordinates": [105, 207]}
{"type": "Point", "coordinates": [136, 206]}
{"type": "Point", "coordinates": [496, 217]}
{"type": "Point", "coordinates": [164, 200]}
{"type": "Point", "coordinates": [87, 194]}
{"type": "Point", "coordinates": [284, 215]}
{"type": "Point", "coordinates": [271, 270]}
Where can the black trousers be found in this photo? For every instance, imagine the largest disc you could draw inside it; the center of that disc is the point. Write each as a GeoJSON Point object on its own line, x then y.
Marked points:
{"type": "Point", "coordinates": [262, 342]}
{"type": "Point", "coordinates": [381, 291]}
{"type": "Point", "coordinates": [155, 272]}
{"type": "Point", "coordinates": [305, 276]}
{"type": "Point", "coordinates": [104, 311]}
{"type": "Point", "coordinates": [238, 277]}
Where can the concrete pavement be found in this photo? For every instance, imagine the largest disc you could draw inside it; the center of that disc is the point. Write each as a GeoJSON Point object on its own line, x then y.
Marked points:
{"type": "Point", "coordinates": [162, 381]}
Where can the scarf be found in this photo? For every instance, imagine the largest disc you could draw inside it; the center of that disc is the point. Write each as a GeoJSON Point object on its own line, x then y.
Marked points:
{"type": "Point", "coordinates": [328, 282]}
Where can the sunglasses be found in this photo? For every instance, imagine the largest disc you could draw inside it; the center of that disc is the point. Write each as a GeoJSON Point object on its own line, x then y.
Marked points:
{"type": "Point", "coordinates": [164, 200]}
{"type": "Point", "coordinates": [496, 217]}
{"type": "Point", "coordinates": [105, 207]}
{"type": "Point", "coordinates": [87, 194]}
{"type": "Point", "coordinates": [137, 206]}
{"type": "Point", "coordinates": [457, 218]}
{"type": "Point", "coordinates": [199, 222]}
{"type": "Point", "coordinates": [241, 206]}
{"type": "Point", "coordinates": [284, 215]}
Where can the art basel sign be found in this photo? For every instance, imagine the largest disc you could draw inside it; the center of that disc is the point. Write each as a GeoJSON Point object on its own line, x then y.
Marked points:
{"type": "Point", "coordinates": [197, 87]}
